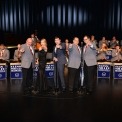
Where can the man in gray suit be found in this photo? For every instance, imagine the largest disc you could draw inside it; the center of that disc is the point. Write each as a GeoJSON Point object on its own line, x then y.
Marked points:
{"type": "Point", "coordinates": [90, 62]}
{"type": "Point", "coordinates": [117, 54]}
{"type": "Point", "coordinates": [17, 53]}
{"type": "Point", "coordinates": [4, 53]}
{"type": "Point", "coordinates": [27, 63]}
{"type": "Point", "coordinates": [59, 63]}
{"type": "Point", "coordinates": [74, 63]}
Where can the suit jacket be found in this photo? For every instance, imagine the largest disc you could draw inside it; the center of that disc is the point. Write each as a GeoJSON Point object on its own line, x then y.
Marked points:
{"type": "Point", "coordinates": [60, 54]}
{"type": "Point", "coordinates": [116, 56]}
{"type": "Point", "coordinates": [16, 55]}
{"type": "Point", "coordinates": [74, 57]}
{"type": "Point", "coordinates": [113, 44]}
{"type": "Point", "coordinates": [101, 41]}
{"type": "Point", "coordinates": [101, 55]}
{"type": "Point", "coordinates": [27, 57]}
{"type": "Point", "coordinates": [89, 56]}
{"type": "Point", "coordinates": [6, 55]}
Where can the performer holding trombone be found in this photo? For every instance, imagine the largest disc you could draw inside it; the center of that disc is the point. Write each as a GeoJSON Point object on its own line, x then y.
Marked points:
{"type": "Point", "coordinates": [101, 56]}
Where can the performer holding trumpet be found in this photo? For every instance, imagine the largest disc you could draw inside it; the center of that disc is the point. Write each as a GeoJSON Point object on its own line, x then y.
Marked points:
{"type": "Point", "coordinates": [101, 56]}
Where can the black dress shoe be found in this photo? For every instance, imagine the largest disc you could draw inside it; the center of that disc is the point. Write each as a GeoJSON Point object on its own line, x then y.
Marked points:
{"type": "Point", "coordinates": [27, 92]}
{"type": "Point", "coordinates": [80, 92]}
{"type": "Point", "coordinates": [70, 91]}
{"type": "Point", "coordinates": [63, 90]}
{"type": "Point", "coordinates": [88, 92]}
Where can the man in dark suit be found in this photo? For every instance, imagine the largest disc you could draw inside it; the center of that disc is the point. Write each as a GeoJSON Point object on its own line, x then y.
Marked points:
{"type": "Point", "coordinates": [27, 63]}
{"type": "Point", "coordinates": [90, 62]}
{"type": "Point", "coordinates": [74, 63]}
{"type": "Point", "coordinates": [59, 63]}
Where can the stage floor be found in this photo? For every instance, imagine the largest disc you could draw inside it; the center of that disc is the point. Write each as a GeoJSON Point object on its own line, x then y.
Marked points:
{"type": "Point", "coordinates": [105, 104]}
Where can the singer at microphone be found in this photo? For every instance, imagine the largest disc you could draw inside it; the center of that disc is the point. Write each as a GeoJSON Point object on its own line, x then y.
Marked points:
{"type": "Point", "coordinates": [59, 63]}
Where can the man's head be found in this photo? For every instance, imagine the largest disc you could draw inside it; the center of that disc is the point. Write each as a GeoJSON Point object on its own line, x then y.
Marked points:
{"type": "Point", "coordinates": [86, 39]}
{"type": "Point", "coordinates": [117, 47]}
{"type": "Point", "coordinates": [76, 40]}
{"type": "Point", "coordinates": [29, 42]}
{"type": "Point", "coordinates": [2, 46]}
{"type": "Point", "coordinates": [32, 35]}
{"type": "Point", "coordinates": [57, 41]}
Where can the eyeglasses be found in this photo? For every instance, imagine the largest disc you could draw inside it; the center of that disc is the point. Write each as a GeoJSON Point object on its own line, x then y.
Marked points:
{"type": "Point", "coordinates": [85, 39]}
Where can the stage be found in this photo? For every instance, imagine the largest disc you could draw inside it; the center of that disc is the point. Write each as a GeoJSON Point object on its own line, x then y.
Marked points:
{"type": "Point", "coordinates": [103, 105]}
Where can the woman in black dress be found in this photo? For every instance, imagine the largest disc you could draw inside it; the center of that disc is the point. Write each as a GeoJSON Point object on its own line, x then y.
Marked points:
{"type": "Point", "coordinates": [41, 82]}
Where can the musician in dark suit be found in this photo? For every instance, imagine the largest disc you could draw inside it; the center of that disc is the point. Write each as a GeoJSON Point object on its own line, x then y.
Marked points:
{"type": "Point", "coordinates": [59, 63]}
{"type": "Point", "coordinates": [90, 62]}
{"type": "Point", "coordinates": [74, 65]}
{"type": "Point", "coordinates": [27, 63]}
{"type": "Point", "coordinates": [41, 83]}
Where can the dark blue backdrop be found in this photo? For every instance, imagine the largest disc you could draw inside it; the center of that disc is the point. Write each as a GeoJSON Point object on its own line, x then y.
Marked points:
{"type": "Point", "coordinates": [19, 18]}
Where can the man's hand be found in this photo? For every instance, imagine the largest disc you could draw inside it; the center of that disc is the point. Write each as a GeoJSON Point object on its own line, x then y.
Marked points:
{"type": "Point", "coordinates": [55, 59]}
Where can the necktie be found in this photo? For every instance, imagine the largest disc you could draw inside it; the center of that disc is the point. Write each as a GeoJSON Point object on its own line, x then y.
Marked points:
{"type": "Point", "coordinates": [78, 49]}
{"type": "Point", "coordinates": [85, 48]}
{"type": "Point", "coordinates": [31, 50]}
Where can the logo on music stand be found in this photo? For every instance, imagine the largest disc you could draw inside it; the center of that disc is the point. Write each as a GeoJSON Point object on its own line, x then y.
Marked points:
{"type": "Point", "coordinates": [16, 74]}
{"type": "Point", "coordinates": [104, 74]}
{"type": "Point", "coordinates": [50, 73]}
{"type": "Point", "coordinates": [120, 75]}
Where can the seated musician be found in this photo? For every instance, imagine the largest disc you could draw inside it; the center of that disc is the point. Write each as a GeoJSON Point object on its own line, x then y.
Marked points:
{"type": "Point", "coordinates": [17, 53]}
{"type": "Point", "coordinates": [36, 41]}
{"type": "Point", "coordinates": [113, 42]}
{"type": "Point", "coordinates": [102, 53]}
{"type": "Point", "coordinates": [4, 54]}
{"type": "Point", "coordinates": [117, 54]}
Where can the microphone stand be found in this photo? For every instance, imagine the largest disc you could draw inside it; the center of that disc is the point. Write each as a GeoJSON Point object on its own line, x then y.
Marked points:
{"type": "Point", "coordinates": [81, 72]}
{"type": "Point", "coordinates": [56, 78]}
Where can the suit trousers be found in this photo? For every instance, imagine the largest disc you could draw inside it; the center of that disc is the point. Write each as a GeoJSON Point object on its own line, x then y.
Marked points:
{"type": "Point", "coordinates": [74, 78]}
{"type": "Point", "coordinates": [89, 74]}
{"type": "Point", "coordinates": [27, 77]}
{"type": "Point", "coordinates": [59, 75]}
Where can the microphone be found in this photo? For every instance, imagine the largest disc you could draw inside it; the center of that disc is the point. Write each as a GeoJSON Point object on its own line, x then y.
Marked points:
{"type": "Point", "coordinates": [81, 44]}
